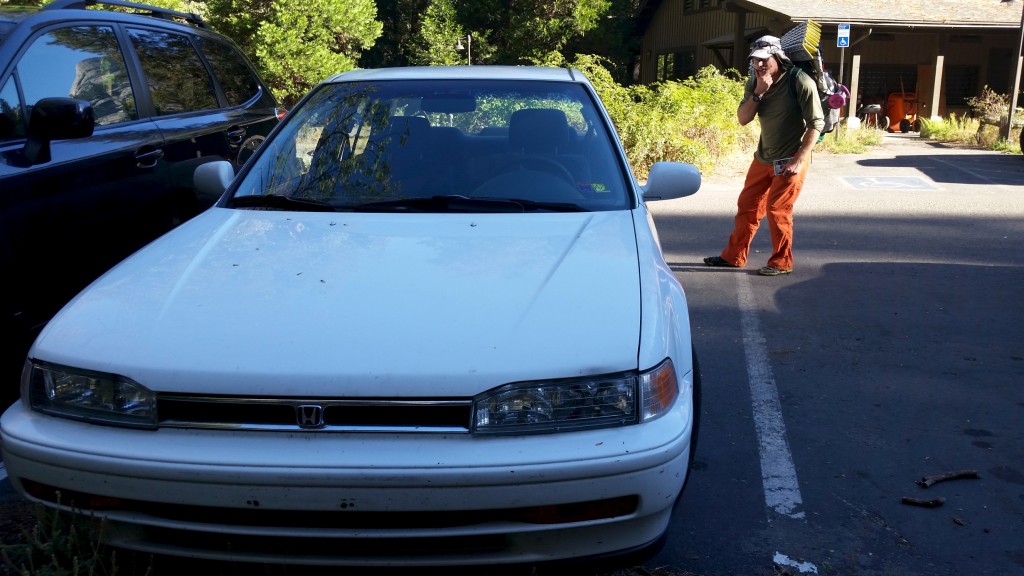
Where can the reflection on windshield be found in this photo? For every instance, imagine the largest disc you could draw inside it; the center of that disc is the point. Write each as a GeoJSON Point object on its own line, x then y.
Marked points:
{"type": "Point", "coordinates": [359, 144]}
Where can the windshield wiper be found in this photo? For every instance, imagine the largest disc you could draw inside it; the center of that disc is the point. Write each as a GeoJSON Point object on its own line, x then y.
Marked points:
{"type": "Point", "coordinates": [457, 203]}
{"type": "Point", "coordinates": [535, 205]}
{"type": "Point", "coordinates": [279, 202]}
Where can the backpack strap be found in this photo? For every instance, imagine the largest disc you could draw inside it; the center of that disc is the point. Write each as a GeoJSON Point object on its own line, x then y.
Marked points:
{"type": "Point", "coordinates": [795, 71]}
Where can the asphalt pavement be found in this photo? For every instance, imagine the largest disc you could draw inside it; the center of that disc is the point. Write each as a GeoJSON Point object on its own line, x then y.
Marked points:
{"type": "Point", "coordinates": [904, 162]}
{"type": "Point", "coordinates": [892, 353]}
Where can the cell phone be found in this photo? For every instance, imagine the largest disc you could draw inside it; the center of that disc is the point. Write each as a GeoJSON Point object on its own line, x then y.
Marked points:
{"type": "Point", "coordinates": [780, 164]}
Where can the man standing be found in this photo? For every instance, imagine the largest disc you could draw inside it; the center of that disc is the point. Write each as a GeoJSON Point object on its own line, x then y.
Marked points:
{"type": "Point", "coordinates": [791, 118]}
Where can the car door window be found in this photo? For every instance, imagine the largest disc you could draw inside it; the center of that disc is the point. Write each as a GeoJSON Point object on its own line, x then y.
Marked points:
{"type": "Point", "coordinates": [236, 79]}
{"type": "Point", "coordinates": [178, 81]}
{"type": "Point", "coordinates": [12, 124]}
{"type": "Point", "coordinates": [83, 62]}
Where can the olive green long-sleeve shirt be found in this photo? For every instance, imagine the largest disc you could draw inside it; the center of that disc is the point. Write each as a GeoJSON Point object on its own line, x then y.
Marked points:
{"type": "Point", "coordinates": [784, 119]}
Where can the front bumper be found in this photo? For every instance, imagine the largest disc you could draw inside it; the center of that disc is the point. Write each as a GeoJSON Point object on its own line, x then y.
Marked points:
{"type": "Point", "coordinates": [358, 499]}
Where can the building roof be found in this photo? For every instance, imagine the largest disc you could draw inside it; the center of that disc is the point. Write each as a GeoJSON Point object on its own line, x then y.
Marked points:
{"type": "Point", "coordinates": [902, 13]}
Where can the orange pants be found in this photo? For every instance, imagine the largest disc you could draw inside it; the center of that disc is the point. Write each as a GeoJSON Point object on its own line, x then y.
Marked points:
{"type": "Point", "coordinates": [763, 194]}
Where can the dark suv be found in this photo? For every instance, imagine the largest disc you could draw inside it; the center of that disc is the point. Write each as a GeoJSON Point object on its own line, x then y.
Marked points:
{"type": "Point", "coordinates": [104, 116]}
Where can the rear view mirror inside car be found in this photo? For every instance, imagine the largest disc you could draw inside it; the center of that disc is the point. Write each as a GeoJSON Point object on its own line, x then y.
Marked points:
{"type": "Point", "coordinates": [448, 103]}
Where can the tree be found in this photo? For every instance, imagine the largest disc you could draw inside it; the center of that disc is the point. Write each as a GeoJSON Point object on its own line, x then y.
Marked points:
{"type": "Point", "coordinates": [297, 43]}
{"type": "Point", "coordinates": [616, 38]}
{"type": "Point", "coordinates": [399, 42]}
{"type": "Point", "coordinates": [438, 35]}
{"type": "Point", "coordinates": [507, 31]}
{"type": "Point", "coordinates": [531, 31]}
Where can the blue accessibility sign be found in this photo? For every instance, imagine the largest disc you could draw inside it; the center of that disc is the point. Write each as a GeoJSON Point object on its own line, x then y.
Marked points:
{"type": "Point", "coordinates": [843, 36]}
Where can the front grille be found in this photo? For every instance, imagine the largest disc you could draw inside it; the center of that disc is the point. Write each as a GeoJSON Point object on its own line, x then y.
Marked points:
{"type": "Point", "coordinates": [314, 414]}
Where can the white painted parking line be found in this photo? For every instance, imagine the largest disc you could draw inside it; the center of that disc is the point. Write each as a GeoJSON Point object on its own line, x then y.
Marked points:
{"type": "Point", "coordinates": [778, 474]}
{"type": "Point", "coordinates": [803, 567]}
{"type": "Point", "coordinates": [888, 183]}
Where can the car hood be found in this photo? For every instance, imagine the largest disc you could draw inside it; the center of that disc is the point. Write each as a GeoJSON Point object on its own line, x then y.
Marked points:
{"type": "Point", "coordinates": [376, 305]}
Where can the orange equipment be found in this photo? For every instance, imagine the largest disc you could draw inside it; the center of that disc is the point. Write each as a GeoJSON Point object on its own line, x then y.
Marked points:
{"type": "Point", "coordinates": [902, 110]}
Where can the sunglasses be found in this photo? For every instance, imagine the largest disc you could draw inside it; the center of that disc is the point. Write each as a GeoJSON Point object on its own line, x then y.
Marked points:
{"type": "Point", "coordinates": [758, 45]}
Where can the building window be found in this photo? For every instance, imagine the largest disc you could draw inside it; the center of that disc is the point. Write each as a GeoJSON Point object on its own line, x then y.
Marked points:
{"type": "Point", "coordinates": [961, 84]}
{"type": "Point", "coordinates": [677, 65]}
{"type": "Point", "coordinates": [695, 5]}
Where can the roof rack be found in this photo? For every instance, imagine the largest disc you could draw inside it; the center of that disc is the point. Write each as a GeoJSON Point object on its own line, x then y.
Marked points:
{"type": "Point", "coordinates": [146, 9]}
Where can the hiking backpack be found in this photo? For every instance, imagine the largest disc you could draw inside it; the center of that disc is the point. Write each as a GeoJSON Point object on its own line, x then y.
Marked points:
{"type": "Point", "coordinates": [832, 94]}
{"type": "Point", "coordinates": [801, 46]}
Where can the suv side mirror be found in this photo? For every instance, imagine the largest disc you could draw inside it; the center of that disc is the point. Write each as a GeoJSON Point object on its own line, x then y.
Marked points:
{"type": "Point", "coordinates": [56, 119]}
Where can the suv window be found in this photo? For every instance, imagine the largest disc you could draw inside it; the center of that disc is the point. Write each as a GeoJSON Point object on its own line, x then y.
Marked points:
{"type": "Point", "coordinates": [236, 79]}
{"type": "Point", "coordinates": [178, 80]}
{"type": "Point", "coordinates": [11, 123]}
{"type": "Point", "coordinates": [83, 62]}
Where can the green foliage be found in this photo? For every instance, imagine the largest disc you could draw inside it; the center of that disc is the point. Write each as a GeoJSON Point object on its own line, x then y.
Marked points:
{"type": "Point", "coordinates": [970, 132]}
{"type": "Point", "coordinates": [525, 32]}
{"type": "Point", "coordinates": [60, 545]}
{"type": "Point", "coordinates": [614, 38]}
{"type": "Point", "coordinates": [846, 141]}
{"type": "Point", "coordinates": [439, 35]}
{"type": "Point", "coordinates": [953, 129]}
{"type": "Point", "coordinates": [691, 121]}
{"type": "Point", "coordinates": [990, 106]}
{"type": "Point", "coordinates": [399, 43]}
{"type": "Point", "coordinates": [297, 43]}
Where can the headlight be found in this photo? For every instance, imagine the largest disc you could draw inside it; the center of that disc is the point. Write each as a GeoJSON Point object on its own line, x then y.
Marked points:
{"type": "Point", "coordinates": [91, 396]}
{"type": "Point", "coordinates": [577, 404]}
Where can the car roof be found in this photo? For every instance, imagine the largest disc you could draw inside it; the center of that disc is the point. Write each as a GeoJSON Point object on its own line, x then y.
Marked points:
{"type": "Point", "coordinates": [484, 72]}
{"type": "Point", "coordinates": [65, 10]}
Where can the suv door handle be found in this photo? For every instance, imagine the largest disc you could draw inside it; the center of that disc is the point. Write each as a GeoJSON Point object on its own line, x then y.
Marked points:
{"type": "Point", "coordinates": [148, 158]}
{"type": "Point", "coordinates": [235, 135]}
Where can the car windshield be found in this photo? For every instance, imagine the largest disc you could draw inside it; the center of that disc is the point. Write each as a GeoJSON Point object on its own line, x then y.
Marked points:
{"type": "Point", "coordinates": [440, 146]}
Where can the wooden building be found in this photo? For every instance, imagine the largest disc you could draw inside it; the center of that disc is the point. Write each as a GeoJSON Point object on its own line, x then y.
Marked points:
{"type": "Point", "coordinates": [938, 52]}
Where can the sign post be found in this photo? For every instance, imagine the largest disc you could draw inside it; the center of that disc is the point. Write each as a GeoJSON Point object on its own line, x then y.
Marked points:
{"type": "Point", "coordinates": [842, 42]}
{"type": "Point", "coordinates": [843, 38]}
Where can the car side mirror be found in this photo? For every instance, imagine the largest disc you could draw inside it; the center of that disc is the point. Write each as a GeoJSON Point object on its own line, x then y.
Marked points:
{"type": "Point", "coordinates": [56, 119]}
{"type": "Point", "coordinates": [670, 180]}
{"type": "Point", "coordinates": [213, 178]}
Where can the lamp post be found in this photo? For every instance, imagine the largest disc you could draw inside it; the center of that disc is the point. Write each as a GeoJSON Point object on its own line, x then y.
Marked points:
{"type": "Point", "coordinates": [1016, 74]}
{"type": "Point", "coordinates": [468, 48]}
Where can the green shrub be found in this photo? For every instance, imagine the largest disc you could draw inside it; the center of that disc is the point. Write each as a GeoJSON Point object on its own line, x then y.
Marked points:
{"type": "Point", "coordinates": [691, 121]}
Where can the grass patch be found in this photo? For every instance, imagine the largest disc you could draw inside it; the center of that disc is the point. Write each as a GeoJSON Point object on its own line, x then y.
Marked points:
{"type": "Point", "coordinates": [63, 544]}
{"type": "Point", "coordinates": [970, 132]}
{"type": "Point", "coordinates": [846, 141]}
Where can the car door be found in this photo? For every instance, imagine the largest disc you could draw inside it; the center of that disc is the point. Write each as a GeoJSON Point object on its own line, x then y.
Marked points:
{"type": "Point", "coordinates": [64, 221]}
{"type": "Point", "coordinates": [250, 104]}
{"type": "Point", "coordinates": [197, 121]}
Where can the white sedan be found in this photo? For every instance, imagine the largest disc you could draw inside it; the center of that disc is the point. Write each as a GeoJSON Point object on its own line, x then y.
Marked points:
{"type": "Point", "coordinates": [429, 323]}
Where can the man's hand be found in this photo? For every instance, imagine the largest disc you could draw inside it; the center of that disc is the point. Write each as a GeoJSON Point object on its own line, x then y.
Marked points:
{"type": "Point", "coordinates": [764, 81]}
{"type": "Point", "coordinates": [803, 154]}
{"type": "Point", "coordinates": [793, 167]}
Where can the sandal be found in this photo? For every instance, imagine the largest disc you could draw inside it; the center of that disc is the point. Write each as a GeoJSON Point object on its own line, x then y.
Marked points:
{"type": "Point", "coordinates": [719, 261]}
{"type": "Point", "coordinates": [772, 271]}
